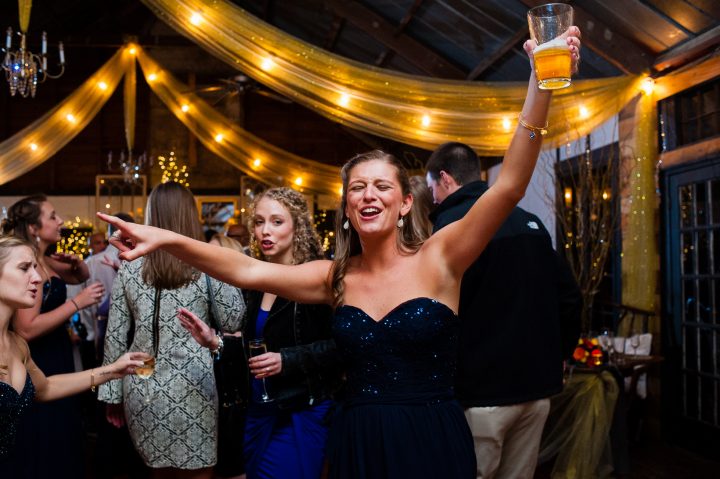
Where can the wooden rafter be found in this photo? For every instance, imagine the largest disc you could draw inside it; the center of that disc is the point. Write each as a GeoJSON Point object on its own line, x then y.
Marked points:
{"type": "Point", "coordinates": [413, 51]}
{"type": "Point", "coordinates": [623, 53]}
{"type": "Point", "coordinates": [688, 50]}
{"type": "Point", "coordinates": [399, 30]}
{"type": "Point", "coordinates": [334, 32]}
{"type": "Point", "coordinates": [489, 60]}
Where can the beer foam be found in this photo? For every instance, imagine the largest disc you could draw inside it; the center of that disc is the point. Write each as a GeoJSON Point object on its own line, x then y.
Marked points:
{"type": "Point", "coordinates": [555, 43]}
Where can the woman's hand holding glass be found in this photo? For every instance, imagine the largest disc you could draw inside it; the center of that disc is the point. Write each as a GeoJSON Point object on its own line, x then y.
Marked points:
{"type": "Point", "coordinates": [126, 364]}
{"type": "Point", "coordinates": [266, 365]}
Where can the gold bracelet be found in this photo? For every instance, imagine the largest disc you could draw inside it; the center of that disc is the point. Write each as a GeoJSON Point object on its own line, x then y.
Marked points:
{"type": "Point", "coordinates": [92, 379]}
{"type": "Point", "coordinates": [534, 130]}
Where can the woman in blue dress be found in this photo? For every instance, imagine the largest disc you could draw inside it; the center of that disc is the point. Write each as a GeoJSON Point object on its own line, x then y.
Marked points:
{"type": "Point", "coordinates": [395, 300]}
{"type": "Point", "coordinates": [21, 380]}
{"type": "Point", "coordinates": [286, 436]}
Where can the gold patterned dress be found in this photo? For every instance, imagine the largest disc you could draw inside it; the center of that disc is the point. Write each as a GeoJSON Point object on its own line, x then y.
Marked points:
{"type": "Point", "coordinates": [177, 426]}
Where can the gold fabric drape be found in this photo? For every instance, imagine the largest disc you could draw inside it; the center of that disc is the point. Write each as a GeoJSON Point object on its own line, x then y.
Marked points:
{"type": "Point", "coordinates": [24, 8]}
{"type": "Point", "coordinates": [40, 140]}
{"type": "Point", "coordinates": [578, 427]}
{"type": "Point", "coordinates": [255, 157]}
{"type": "Point", "coordinates": [419, 111]}
{"type": "Point", "coordinates": [640, 248]}
{"type": "Point", "coordinates": [130, 102]}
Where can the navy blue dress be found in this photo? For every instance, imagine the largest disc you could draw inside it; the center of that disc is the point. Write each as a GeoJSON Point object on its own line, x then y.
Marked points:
{"type": "Point", "coordinates": [12, 407]}
{"type": "Point", "coordinates": [400, 419]}
{"type": "Point", "coordinates": [50, 439]}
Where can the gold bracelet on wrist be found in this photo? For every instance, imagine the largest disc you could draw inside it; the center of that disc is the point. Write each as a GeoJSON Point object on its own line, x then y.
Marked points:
{"type": "Point", "coordinates": [534, 130]}
{"type": "Point", "coordinates": [92, 380]}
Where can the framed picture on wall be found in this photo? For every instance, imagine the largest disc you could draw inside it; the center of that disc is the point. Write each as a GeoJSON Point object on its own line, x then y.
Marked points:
{"type": "Point", "coordinates": [216, 211]}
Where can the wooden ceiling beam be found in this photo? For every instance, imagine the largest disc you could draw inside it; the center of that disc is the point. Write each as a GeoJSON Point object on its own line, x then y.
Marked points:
{"type": "Point", "coordinates": [687, 51]}
{"type": "Point", "coordinates": [620, 51]}
{"type": "Point", "coordinates": [413, 51]}
{"type": "Point", "coordinates": [490, 60]}
{"type": "Point", "coordinates": [334, 33]}
{"type": "Point", "coordinates": [399, 30]}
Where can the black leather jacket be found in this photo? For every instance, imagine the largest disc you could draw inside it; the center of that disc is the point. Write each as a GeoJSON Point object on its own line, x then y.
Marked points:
{"type": "Point", "coordinates": [302, 334]}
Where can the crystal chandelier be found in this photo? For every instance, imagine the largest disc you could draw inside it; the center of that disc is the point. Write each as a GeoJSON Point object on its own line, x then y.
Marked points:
{"type": "Point", "coordinates": [23, 68]}
{"type": "Point", "coordinates": [131, 167]}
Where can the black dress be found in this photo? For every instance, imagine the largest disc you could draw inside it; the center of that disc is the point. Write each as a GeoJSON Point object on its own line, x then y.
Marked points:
{"type": "Point", "coordinates": [12, 407]}
{"type": "Point", "coordinates": [400, 419]}
{"type": "Point", "coordinates": [50, 440]}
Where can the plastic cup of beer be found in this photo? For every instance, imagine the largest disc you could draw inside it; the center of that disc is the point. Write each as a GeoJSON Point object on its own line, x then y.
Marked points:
{"type": "Point", "coordinates": [552, 55]}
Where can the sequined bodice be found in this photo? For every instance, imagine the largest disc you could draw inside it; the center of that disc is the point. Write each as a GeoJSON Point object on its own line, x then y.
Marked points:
{"type": "Point", "coordinates": [12, 407]}
{"type": "Point", "coordinates": [410, 353]}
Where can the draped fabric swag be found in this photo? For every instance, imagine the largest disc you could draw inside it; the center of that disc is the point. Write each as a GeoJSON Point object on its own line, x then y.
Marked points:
{"type": "Point", "coordinates": [40, 140]}
{"type": "Point", "coordinates": [420, 111]}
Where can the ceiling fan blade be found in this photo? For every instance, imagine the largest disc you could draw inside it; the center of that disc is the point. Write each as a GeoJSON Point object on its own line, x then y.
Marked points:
{"type": "Point", "coordinates": [210, 89]}
{"type": "Point", "coordinates": [272, 95]}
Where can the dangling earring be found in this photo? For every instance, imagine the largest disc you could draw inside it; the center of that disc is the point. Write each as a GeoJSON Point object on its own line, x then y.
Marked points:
{"type": "Point", "coordinates": [401, 222]}
{"type": "Point", "coordinates": [346, 225]}
{"type": "Point", "coordinates": [37, 239]}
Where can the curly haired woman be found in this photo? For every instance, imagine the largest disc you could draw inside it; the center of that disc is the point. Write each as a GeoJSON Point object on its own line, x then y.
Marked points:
{"type": "Point", "coordinates": [285, 437]}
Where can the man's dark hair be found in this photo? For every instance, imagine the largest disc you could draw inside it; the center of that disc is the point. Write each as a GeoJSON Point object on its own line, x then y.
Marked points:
{"type": "Point", "coordinates": [456, 159]}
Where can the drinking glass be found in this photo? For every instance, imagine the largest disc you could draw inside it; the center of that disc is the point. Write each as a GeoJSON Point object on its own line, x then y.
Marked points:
{"type": "Point", "coordinates": [619, 350]}
{"type": "Point", "coordinates": [552, 54]}
{"type": "Point", "coordinates": [258, 347]}
{"type": "Point", "coordinates": [144, 372]}
{"type": "Point", "coordinates": [607, 343]}
{"type": "Point", "coordinates": [635, 343]}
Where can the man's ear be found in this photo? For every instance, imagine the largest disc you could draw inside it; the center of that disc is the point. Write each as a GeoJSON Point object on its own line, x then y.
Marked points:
{"type": "Point", "coordinates": [446, 179]}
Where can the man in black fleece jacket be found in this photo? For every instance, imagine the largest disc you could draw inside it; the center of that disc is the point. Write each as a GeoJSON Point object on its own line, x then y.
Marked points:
{"type": "Point", "coordinates": [520, 318]}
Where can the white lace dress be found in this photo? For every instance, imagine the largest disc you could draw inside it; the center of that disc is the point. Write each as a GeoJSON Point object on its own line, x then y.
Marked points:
{"type": "Point", "coordinates": [178, 426]}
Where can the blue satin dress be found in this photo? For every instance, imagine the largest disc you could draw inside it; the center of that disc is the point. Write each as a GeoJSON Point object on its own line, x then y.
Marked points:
{"type": "Point", "coordinates": [400, 419]}
{"type": "Point", "coordinates": [287, 444]}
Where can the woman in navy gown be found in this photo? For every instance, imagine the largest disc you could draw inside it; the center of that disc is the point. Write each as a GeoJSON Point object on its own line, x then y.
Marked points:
{"type": "Point", "coordinates": [21, 381]}
{"type": "Point", "coordinates": [52, 431]}
{"type": "Point", "coordinates": [396, 299]}
{"type": "Point", "coordinates": [286, 436]}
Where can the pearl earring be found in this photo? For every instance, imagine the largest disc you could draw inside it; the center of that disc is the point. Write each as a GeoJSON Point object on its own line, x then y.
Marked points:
{"type": "Point", "coordinates": [346, 225]}
{"type": "Point", "coordinates": [401, 222]}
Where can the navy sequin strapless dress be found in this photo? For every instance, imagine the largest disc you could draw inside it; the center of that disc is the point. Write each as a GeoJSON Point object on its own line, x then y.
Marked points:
{"type": "Point", "coordinates": [12, 407]}
{"type": "Point", "coordinates": [400, 419]}
{"type": "Point", "coordinates": [50, 438]}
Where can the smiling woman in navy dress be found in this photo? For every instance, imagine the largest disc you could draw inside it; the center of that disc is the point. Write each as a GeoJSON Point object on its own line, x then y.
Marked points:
{"type": "Point", "coordinates": [396, 299]}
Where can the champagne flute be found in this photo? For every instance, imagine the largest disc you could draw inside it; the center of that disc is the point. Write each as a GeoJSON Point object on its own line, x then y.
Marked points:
{"type": "Point", "coordinates": [144, 372]}
{"type": "Point", "coordinates": [258, 347]}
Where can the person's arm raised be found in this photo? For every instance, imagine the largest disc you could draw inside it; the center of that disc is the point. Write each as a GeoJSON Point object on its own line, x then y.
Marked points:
{"type": "Point", "coordinates": [306, 283]}
{"type": "Point", "coordinates": [492, 208]}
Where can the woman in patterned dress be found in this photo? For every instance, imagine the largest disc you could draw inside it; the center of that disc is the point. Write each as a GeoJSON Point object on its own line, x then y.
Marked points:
{"type": "Point", "coordinates": [172, 422]}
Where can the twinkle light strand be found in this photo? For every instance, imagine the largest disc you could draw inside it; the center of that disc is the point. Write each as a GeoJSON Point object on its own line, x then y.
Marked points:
{"type": "Point", "coordinates": [172, 170]}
